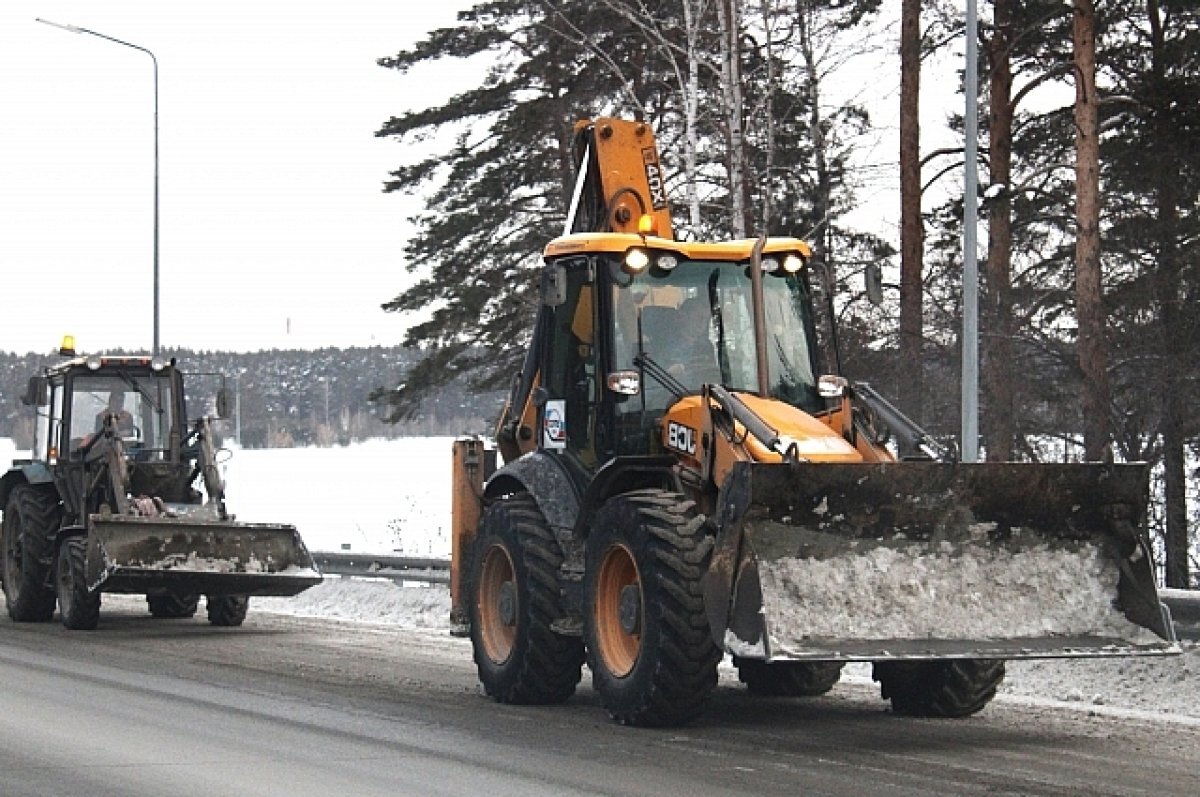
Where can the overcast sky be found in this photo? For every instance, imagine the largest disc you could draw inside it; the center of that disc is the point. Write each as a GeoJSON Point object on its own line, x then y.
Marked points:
{"type": "Point", "coordinates": [274, 230]}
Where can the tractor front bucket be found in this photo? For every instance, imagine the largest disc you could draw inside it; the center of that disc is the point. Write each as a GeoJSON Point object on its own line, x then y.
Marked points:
{"type": "Point", "coordinates": [927, 560]}
{"type": "Point", "coordinates": [196, 554]}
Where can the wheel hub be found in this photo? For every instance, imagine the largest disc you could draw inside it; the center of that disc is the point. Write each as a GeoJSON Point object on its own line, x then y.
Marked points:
{"type": "Point", "coordinates": [629, 609]}
{"type": "Point", "coordinates": [507, 603]}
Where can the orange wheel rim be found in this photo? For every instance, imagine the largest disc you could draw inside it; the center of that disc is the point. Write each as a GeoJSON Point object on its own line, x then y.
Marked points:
{"type": "Point", "coordinates": [497, 605]}
{"type": "Point", "coordinates": [618, 611]}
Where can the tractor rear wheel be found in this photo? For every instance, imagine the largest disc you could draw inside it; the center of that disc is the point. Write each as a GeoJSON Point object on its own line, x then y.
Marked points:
{"type": "Point", "coordinates": [30, 520]}
{"type": "Point", "coordinates": [650, 650]}
{"type": "Point", "coordinates": [788, 678]}
{"type": "Point", "coordinates": [78, 607]}
{"type": "Point", "coordinates": [171, 606]}
{"type": "Point", "coordinates": [951, 688]}
{"type": "Point", "coordinates": [227, 610]}
{"type": "Point", "coordinates": [514, 600]}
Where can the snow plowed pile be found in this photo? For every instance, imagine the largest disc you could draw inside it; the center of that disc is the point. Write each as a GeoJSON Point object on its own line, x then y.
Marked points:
{"type": "Point", "coordinates": [958, 593]}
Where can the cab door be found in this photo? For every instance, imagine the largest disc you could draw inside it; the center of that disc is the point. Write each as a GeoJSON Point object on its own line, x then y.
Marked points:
{"type": "Point", "coordinates": [568, 368]}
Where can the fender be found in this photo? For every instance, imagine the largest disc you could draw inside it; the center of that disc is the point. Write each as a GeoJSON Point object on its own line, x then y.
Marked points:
{"type": "Point", "coordinates": [620, 475]}
{"type": "Point", "coordinates": [545, 478]}
{"type": "Point", "coordinates": [26, 473]}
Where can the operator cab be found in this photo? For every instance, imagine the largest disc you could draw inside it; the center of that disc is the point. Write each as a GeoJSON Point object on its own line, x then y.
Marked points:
{"type": "Point", "coordinates": [636, 328]}
{"type": "Point", "coordinates": [696, 322]}
{"type": "Point", "coordinates": [139, 404]}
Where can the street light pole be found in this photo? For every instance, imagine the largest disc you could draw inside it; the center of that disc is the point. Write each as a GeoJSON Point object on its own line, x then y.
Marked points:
{"type": "Point", "coordinates": [970, 335]}
{"type": "Point", "coordinates": [154, 61]}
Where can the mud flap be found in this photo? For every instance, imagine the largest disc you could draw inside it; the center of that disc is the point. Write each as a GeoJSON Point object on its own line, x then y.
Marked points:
{"type": "Point", "coordinates": [188, 555]}
{"type": "Point", "coordinates": [920, 560]}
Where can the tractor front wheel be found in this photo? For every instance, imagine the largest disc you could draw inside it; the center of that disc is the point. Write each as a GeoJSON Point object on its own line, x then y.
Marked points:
{"type": "Point", "coordinates": [171, 606]}
{"type": "Point", "coordinates": [78, 607]}
{"type": "Point", "coordinates": [952, 688]}
{"type": "Point", "coordinates": [788, 678]}
{"type": "Point", "coordinates": [227, 610]}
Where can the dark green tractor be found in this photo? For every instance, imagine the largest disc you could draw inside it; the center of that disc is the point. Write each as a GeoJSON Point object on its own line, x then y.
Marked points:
{"type": "Point", "coordinates": [122, 494]}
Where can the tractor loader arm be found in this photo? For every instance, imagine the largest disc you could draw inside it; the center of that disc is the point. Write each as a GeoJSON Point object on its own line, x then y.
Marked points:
{"type": "Point", "coordinates": [909, 435]}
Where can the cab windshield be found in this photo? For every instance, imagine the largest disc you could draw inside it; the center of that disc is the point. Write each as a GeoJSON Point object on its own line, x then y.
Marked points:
{"type": "Point", "coordinates": [140, 408]}
{"type": "Point", "coordinates": [696, 322]}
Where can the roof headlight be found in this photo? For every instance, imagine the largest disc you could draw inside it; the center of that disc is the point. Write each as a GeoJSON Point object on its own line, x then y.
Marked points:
{"type": "Point", "coordinates": [770, 264]}
{"type": "Point", "coordinates": [636, 260]}
{"type": "Point", "coordinates": [793, 263]}
{"type": "Point", "coordinates": [667, 262]}
{"type": "Point", "coordinates": [93, 362]}
{"type": "Point", "coordinates": [158, 363]}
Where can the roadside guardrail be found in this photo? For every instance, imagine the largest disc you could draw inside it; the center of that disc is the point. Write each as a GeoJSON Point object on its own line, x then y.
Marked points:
{"type": "Point", "coordinates": [396, 568]}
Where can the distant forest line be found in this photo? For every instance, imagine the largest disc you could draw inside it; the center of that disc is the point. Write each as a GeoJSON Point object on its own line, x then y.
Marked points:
{"type": "Point", "coordinates": [286, 397]}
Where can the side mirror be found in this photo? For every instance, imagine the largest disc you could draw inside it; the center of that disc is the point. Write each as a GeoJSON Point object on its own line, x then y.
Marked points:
{"type": "Point", "coordinates": [832, 386]}
{"type": "Point", "coordinates": [37, 392]}
{"type": "Point", "coordinates": [873, 277]}
{"type": "Point", "coordinates": [223, 402]}
{"type": "Point", "coordinates": [625, 383]}
{"type": "Point", "coordinates": [554, 285]}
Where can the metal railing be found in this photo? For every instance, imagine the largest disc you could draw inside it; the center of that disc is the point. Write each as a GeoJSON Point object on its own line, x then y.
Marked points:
{"type": "Point", "coordinates": [396, 568]}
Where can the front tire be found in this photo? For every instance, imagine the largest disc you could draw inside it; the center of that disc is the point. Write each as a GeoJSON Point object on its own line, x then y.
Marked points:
{"type": "Point", "coordinates": [78, 607]}
{"type": "Point", "coordinates": [951, 688]}
{"type": "Point", "coordinates": [173, 607]}
{"type": "Point", "coordinates": [30, 520]}
{"type": "Point", "coordinates": [227, 610]}
{"type": "Point", "coordinates": [514, 600]}
{"type": "Point", "coordinates": [650, 650]}
{"type": "Point", "coordinates": [788, 678]}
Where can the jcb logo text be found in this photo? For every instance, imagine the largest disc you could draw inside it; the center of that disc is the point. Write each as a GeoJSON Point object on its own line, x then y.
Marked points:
{"type": "Point", "coordinates": [681, 438]}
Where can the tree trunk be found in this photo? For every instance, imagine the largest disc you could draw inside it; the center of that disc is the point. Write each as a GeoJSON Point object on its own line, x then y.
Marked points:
{"type": "Point", "coordinates": [999, 421]}
{"type": "Point", "coordinates": [1089, 304]}
{"type": "Point", "coordinates": [912, 232]}
{"type": "Point", "coordinates": [1173, 344]}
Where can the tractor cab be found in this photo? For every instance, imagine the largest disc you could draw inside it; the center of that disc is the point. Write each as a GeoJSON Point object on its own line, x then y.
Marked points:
{"type": "Point", "coordinates": [639, 323]}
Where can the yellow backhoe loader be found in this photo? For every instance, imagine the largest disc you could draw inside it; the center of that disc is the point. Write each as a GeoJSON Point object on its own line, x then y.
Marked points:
{"type": "Point", "coordinates": [681, 482]}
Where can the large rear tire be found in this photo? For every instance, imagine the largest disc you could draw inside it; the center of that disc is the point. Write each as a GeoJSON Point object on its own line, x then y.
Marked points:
{"type": "Point", "coordinates": [30, 520]}
{"type": "Point", "coordinates": [652, 656]}
{"type": "Point", "coordinates": [514, 600]}
{"type": "Point", "coordinates": [173, 607]}
{"type": "Point", "coordinates": [788, 678]}
{"type": "Point", "coordinates": [227, 610]}
{"type": "Point", "coordinates": [78, 607]}
{"type": "Point", "coordinates": [950, 688]}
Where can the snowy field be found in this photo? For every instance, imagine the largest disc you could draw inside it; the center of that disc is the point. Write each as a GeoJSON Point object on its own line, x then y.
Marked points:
{"type": "Point", "coordinates": [394, 497]}
{"type": "Point", "coordinates": [379, 496]}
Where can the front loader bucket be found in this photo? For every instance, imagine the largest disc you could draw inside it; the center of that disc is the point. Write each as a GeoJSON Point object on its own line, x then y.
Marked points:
{"type": "Point", "coordinates": [918, 560]}
{"type": "Point", "coordinates": [196, 555]}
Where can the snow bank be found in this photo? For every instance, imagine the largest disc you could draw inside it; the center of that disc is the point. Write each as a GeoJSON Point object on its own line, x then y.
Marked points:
{"type": "Point", "coordinates": [369, 601]}
{"type": "Point", "coordinates": [1158, 684]}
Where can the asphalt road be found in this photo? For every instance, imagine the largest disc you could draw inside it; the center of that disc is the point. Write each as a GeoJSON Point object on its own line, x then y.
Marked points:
{"type": "Point", "coordinates": [286, 706]}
